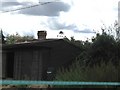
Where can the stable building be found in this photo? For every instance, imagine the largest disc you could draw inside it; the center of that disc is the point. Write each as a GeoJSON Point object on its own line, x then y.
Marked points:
{"type": "Point", "coordinates": [38, 59]}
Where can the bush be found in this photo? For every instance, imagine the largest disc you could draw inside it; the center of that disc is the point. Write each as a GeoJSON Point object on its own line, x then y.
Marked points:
{"type": "Point", "coordinates": [103, 73]}
{"type": "Point", "coordinates": [104, 47]}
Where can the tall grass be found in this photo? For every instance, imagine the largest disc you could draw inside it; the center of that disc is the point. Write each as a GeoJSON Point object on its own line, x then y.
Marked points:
{"type": "Point", "coordinates": [98, 73]}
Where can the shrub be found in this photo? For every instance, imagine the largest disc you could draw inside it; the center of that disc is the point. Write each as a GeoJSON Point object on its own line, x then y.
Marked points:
{"type": "Point", "coordinates": [103, 73]}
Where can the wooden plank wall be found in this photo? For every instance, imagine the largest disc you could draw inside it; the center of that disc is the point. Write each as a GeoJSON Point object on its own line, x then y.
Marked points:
{"type": "Point", "coordinates": [3, 64]}
{"type": "Point", "coordinates": [28, 65]}
{"type": "Point", "coordinates": [36, 70]}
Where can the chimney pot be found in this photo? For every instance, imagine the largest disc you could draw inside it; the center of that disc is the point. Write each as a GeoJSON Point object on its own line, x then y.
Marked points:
{"type": "Point", "coordinates": [42, 35]}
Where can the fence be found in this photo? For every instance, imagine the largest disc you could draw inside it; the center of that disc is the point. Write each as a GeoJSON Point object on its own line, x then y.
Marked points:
{"type": "Point", "coordinates": [16, 82]}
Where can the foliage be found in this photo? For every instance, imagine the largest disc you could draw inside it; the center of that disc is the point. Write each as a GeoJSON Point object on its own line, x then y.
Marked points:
{"type": "Point", "coordinates": [99, 61]}
{"type": "Point", "coordinates": [104, 47]}
{"type": "Point", "coordinates": [75, 42]}
{"type": "Point", "coordinates": [103, 73]}
{"type": "Point", "coordinates": [113, 30]}
{"type": "Point", "coordinates": [2, 37]}
{"type": "Point", "coordinates": [16, 38]}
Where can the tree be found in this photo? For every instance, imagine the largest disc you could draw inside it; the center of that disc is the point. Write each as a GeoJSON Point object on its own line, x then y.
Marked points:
{"type": "Point", "coordinates": [104, 48]}
{"type": "Point", "coordinates": [117, 29]}
{"type": "Point", "coordinates": [16, 38]}
{"type": "Point", "coordinates": [99, 60]}
{"type": "Point", "coordinates": [2, 37]}
{"type": "Point", "coordinates": [113, 30]}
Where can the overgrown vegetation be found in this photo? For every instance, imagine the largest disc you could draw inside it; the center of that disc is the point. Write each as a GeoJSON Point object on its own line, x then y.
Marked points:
{"type": "Point", "coordinates": [99, 61]}
{"type": "Point", "coordinates": [103, 73]}
{"type": "Point", "coordinates": [14, 38]}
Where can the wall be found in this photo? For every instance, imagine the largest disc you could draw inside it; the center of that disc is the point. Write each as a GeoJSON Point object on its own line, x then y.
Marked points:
{"type": "Point", "coordinates": [33, 63]}
{"type": "Point", "coordinates": [0, 63]}
{"type": "Point", "coordinates": [63, 54]}
{"type": "Point", "coordinates": [30, 64]}
{"type": "Point", "coordinates": [3, 64]}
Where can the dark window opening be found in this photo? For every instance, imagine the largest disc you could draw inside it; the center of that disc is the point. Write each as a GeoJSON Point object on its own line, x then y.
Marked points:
{"type": "Point", "coordinates": [10, 65]}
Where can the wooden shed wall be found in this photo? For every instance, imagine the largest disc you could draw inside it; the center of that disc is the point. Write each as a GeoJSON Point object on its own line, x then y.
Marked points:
{"type": "Point", "coordinates": [3, 64]}
{"type": "Point", "coordinates": [0, 63]}
{"type": "Point", "coordinates": [27, 64]}
{"type": "Point", "coordinates": [63, 54]}
{"type": "Point", "coordinates": [33, 63]}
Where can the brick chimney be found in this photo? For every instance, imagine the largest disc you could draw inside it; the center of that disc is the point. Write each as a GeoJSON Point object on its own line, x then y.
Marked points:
{"type": "Point", "coordinates": [42, 35]}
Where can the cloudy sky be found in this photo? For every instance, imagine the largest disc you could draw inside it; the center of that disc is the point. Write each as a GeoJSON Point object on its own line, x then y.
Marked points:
{"type": "Point", "coordinates": [78, 18]}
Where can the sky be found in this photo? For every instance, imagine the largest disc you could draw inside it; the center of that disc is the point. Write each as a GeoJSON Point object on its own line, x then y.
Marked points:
{"type": "Point", "coordinates": [78, 18]}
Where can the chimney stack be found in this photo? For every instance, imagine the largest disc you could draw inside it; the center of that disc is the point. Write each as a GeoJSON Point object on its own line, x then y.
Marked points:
{"type": "Point", "coordinates": [42, 35]}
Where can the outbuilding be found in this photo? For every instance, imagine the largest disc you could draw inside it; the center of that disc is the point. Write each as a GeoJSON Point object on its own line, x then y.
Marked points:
{"type": "Point", "coordinates": [37, 60]}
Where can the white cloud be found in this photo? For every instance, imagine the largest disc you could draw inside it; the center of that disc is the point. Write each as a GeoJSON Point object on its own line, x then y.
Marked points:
{"type": "Point", "coordinates": [19, 23]}
{"type": "Point", "coordinates": [35, 1]}
{"type": "Point", "coordinates": [90, 14]}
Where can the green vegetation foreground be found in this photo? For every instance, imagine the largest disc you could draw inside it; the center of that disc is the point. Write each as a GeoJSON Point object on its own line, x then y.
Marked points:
{"type": "Point", "coordinates": [98, 62]}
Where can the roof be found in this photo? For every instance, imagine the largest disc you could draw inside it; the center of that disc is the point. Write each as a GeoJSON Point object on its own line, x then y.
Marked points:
{"type": "Point", "coordinates": [37, 43]}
